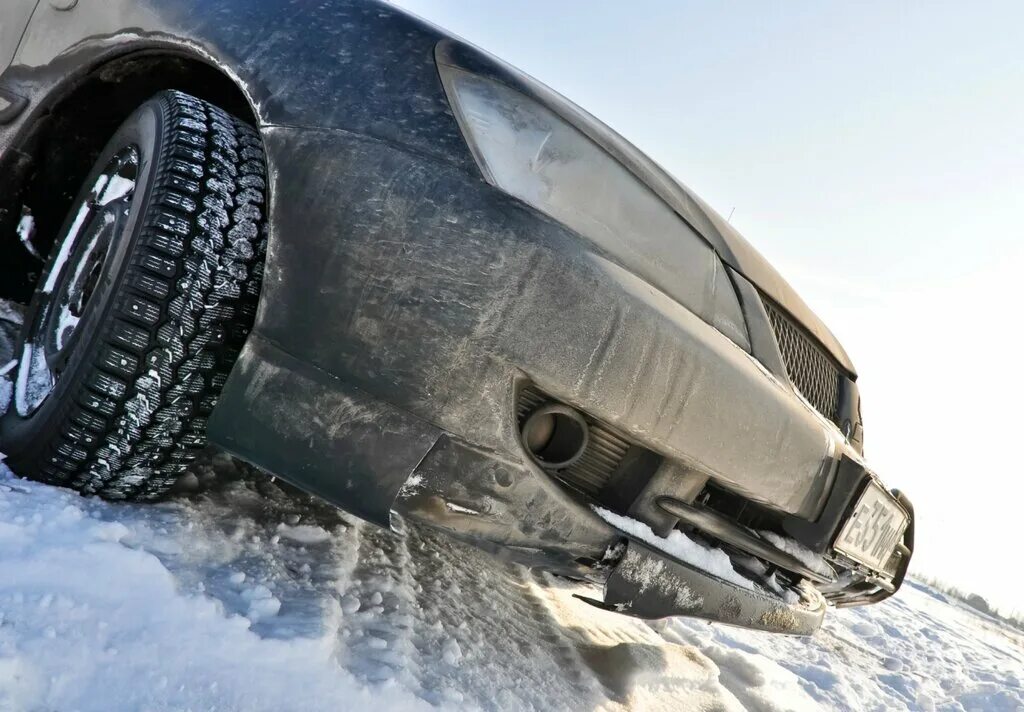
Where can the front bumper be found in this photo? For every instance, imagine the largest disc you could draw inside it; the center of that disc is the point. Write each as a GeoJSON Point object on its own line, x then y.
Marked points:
{"type": "Point", "coordinates": [379, 456]}
{"type": "Point", "coordinates": [423, 287]}
{"type": "Point", "coordinates": [405, 302]}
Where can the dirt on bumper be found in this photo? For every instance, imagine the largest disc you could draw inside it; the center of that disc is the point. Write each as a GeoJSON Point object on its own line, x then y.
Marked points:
{"type": "Point", "coordinates": [648, 584]}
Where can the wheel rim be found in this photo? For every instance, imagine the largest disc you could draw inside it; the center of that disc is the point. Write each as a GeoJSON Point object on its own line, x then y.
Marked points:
{"type": "Point", "coordinates": [73, 272]}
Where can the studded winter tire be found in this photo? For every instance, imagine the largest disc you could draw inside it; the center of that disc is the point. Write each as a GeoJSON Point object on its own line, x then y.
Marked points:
{"type": "Point", "coordinates": [146, 297]}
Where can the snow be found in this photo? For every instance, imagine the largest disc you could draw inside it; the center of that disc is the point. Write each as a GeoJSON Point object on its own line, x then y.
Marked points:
{"type": "Point", "coordinates": [804, 555]}
{"type": "Point", "coordinates": [252, 597]}
{"type": "Point", "coordinates": [93, 620]}
{"type": "Point", "coordinates": [66, 246]}
{"type": "Point", "coordinates": [117, 188]}
{"type": "Point", "coordinates": [650, 573]}
{"type": "Point", "coordinates": [66, 320]}
{"type": "Point", "coordinates": [10, 322]}
{"type": "Point", "coordinates": [6, 387]}
{"type": "Point", "coordinates": [262, 603]}
{"type": "Point", "coordinates": [15, 384]}
{"type": "Point", "coordinates": [26, 231]}
{"type": "Point", "coordinates": [303, 533]}
{"type": "Point", "coordinates": [679, 546]}
{"type": "Point", "coordinates": [105, 190]}
{"type": "Point", "coordinates": [34, 381]}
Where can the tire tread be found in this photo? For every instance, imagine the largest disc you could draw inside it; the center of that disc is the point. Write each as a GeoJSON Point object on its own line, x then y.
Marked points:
{"type": "Point", "coordinates": [180, 313]}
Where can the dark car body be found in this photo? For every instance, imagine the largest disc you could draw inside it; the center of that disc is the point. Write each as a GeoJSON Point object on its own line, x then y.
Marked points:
{"type": "Point", "coordinates": [414, 313]}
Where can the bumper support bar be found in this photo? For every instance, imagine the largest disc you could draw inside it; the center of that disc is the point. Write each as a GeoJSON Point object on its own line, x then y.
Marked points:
{"type": "Point", "coordinates": [731, 533]}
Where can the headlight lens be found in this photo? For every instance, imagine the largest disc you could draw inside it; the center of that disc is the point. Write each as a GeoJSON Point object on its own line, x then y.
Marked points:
{"type": "Point", "coordinates": [528, 151]}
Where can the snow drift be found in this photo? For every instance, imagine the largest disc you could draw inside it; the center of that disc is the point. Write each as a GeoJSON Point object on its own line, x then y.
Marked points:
{"type": "Point", "coordinates": [253, 597]}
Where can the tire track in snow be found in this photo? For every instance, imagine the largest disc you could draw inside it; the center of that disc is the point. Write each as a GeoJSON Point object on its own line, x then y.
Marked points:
{"type": "Point", "coordinates": [454, 625]}
{"type": "Point", "coordinates": [435, 627]}
{"type": "Point", "coordinates": [375, 636]}
{"type": "Point", "coordinates": [458, 628]}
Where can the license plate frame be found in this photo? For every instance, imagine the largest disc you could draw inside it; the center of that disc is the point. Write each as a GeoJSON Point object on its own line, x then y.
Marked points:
{"type": "Point", "coordinates": [873, 529]}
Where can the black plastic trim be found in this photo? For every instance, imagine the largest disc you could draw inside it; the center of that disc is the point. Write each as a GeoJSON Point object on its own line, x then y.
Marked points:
{"type": "Point", "coordinates": [818, 535]}
{"type": "Point", "coordinates": [648, 584]}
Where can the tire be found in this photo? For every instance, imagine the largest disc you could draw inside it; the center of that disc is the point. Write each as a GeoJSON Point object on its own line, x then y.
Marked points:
{"type": "Point", "coordinates": [161, 314]}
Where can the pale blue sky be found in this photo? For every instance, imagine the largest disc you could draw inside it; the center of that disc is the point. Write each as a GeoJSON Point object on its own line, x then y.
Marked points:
{"type": "Point", "coordinates": [874, 151]}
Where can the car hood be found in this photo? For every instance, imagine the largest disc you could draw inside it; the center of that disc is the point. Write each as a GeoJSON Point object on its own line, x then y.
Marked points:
{"type": "Point", "coordinates": [733, 249]}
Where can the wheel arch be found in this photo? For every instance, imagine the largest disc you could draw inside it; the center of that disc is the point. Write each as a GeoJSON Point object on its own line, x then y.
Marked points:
{"type": "Point", "coordinates": [54, 154]}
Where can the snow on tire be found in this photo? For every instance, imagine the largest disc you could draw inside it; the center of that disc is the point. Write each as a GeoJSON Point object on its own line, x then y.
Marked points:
{"type": "Point", "coordinates": [129, 413]}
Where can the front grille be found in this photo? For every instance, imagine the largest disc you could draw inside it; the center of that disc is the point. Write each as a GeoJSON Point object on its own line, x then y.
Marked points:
{"type": "Point", "coordinates": [811, 369]}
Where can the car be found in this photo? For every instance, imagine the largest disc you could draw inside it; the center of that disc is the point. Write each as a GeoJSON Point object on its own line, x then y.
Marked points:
{"type": "Point", "coordinates": [358, 252]}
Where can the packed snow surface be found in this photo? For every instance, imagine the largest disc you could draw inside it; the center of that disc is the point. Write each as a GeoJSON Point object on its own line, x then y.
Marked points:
{"type": "Point", "coordinates": [246, 596]}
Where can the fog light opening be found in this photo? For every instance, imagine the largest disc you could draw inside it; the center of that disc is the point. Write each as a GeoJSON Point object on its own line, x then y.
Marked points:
{"type": "Point", "coordinates": [555, 435]}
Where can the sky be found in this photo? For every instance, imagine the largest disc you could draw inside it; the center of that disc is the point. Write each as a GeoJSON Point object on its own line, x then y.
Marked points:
{"type": "Point", "coordinates": [874, 153]}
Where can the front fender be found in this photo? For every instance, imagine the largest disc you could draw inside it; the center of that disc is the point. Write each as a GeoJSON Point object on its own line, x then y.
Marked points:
{"type": "Point", "coordinates": [338, 65]}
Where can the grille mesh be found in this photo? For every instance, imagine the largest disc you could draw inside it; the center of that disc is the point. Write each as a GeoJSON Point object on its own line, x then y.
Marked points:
{"type": "Point", "coordinates": [813, 372]}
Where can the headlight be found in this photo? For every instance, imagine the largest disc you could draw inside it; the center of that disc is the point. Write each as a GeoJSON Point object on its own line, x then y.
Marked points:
{"type": "Point", "coordinates": [530, 152]}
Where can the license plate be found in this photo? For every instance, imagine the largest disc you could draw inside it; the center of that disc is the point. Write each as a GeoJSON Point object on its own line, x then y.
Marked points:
{"type": "Point", "coordinates": [872, 532]}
